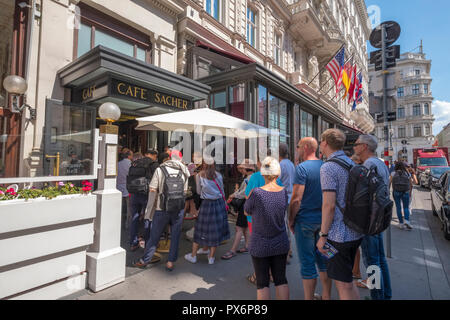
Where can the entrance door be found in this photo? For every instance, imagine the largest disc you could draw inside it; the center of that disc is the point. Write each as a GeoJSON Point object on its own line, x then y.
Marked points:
{"type": "Point", "coordinates": [129, 137]}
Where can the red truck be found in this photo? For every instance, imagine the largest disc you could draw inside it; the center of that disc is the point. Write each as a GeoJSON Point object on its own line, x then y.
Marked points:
{"type": "Point", "coordinates": [429, 157]}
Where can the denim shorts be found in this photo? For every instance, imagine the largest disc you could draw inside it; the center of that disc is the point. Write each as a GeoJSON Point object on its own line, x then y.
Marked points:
{"type": "Point", "coordinates": [306, 237]}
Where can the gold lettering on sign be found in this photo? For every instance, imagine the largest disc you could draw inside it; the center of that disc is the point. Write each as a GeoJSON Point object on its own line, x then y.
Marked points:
{"type": "Point", "coordinates": [158, 100]}
{"type": "Point", "coordinates": [118, 88]}
{"type": "Point", "coordinates": [88, 93]}
{"type": "Point", "coordinates": [184, 104]}
{"type": "Point", "coordinates": [129, 92]}
{"type": "Point", "coordinates": [144, 94]}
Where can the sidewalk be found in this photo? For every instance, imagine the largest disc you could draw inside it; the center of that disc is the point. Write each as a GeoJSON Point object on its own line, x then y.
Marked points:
{"type": "Point", "coordinates": [416, 271]}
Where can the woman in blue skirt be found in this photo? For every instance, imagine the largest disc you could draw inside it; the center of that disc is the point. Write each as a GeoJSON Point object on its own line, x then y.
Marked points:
{"type": "Point", "coordinates": [211, 226]}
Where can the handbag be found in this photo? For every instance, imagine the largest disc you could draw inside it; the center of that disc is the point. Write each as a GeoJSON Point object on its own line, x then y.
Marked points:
{"type": "Point", "coordinates": [223, 197]}
{"type": "Point", "coordinates": [237, 203]}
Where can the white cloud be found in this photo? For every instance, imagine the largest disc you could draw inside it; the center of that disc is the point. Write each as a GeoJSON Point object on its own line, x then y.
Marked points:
{"type": "Point", "coordinates": [441, 111]}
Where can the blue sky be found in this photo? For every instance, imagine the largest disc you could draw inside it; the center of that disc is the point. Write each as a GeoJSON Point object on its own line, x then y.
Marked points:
{"type": "Point", "coordinates": [428, 20]}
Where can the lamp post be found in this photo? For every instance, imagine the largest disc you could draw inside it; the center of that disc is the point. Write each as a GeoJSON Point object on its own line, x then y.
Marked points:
{"type": "Point", "coordinates": [105, 257]}
{"type": "Point", "coordinates": [17, 86]}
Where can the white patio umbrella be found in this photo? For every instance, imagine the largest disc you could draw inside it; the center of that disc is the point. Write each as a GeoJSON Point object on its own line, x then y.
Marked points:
{"type": "Point", "coordinates": [204, 119]}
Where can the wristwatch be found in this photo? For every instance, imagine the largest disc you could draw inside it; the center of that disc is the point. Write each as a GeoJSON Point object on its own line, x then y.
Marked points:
{"type": "Point", "coordinates": [321, 234]}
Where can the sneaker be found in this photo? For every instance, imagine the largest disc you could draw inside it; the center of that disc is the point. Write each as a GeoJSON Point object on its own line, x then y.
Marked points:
{"type": "Point", "coordinates": [211, 260]}
{"type": "Point", "coordinates": [401, 226]}
{"type": "Point", "coordinates": [201, 251]}
{"type": "Point", "coordinates": [408, 225]}
{"type": "Point", "coordinates": [190, 258]}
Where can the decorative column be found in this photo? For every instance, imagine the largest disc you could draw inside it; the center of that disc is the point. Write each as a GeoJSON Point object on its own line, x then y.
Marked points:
{"type": "Point", "coordinates": [105, 258]}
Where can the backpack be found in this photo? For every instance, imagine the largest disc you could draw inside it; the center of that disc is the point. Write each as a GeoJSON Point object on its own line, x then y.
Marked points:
{"type": "Point", "coordinates": [368, 207]}
{"type": "Point", "coordinates": [139, 176]}
{"type": "Point", "coordinates": [400, 181]}
{"type": "Point", "coordinates": [172, 197]}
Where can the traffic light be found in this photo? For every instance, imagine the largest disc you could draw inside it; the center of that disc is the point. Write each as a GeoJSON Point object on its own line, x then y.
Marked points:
{"type": "Point", "coordinates": [392, 53]}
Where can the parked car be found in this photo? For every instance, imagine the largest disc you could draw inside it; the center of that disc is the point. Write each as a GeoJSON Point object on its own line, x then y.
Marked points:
{"type": "Point", "coordinates": [440, 201]}
{"type": "Point", "coordinates": [431, 175]}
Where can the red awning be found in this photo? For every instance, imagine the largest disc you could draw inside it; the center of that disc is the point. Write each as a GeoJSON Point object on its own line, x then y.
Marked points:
{"type": "Point", "coordinates": [235, 56]}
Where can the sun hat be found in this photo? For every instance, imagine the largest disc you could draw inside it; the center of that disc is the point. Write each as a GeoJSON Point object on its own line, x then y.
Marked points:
{"type": "Point", "coordinates": [270, 167]}
{"type": "Point", "coordinates": [247, 165]}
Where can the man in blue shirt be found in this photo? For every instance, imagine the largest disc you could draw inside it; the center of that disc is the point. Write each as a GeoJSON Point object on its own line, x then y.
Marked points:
{"type": "Point", "coordinates": [372, 246]}
{"type": "Point", "coordinates": [334, 180]}
{"type": "Point", "coordinates": [287, 169]}
{"type": "Point", "coordinates": [305, 218]}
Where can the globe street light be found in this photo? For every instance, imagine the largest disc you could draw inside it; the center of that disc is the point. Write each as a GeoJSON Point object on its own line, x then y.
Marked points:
{"type": "Point", "coordinates": [17, 86]}
{"type": "Point", "coordinates": [109, 112]}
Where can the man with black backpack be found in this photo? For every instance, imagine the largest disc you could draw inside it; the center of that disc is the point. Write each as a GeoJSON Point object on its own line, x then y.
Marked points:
{"type": "Point", "coordinates": [165, 206]}
{"type": "Point", "coordinates": [337, 241]}
{"type": "Point", "coordinates": [139, 176]}
{"type": "Point", "coordinates": [372, 245]}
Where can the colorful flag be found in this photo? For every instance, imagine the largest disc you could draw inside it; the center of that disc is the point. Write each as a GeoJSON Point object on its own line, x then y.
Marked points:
{"type": "Point", "coordinates": [358, 91]}
{"type": "Point", "coordinates": [346, 76]}
{"type": "Point", "coordinates": [335, 67]}
{"type": "Point", "coordinates": [352, 89]}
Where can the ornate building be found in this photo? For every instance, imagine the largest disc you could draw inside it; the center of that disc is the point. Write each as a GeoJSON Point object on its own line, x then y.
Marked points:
{"type": "Point", "coordinates": [410, 88]}
{"type": "Point", "coordinates": [260, 60]}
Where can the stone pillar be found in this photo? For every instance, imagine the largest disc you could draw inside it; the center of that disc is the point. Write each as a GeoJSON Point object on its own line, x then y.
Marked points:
{"type": "Point", "coordinates": [105, 258]}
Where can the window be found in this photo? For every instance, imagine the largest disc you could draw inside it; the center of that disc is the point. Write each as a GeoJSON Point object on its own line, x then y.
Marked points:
{"type": "Point", "coordinates": [427, 130]}
{"type": "Point", "coordinates": [401, 113]}
{"type": "Point", "coordinates": [417, 72]}
{"type": "Point", "coordinates": [218, 101]}
{"type": "Point", "coordinates": [417, 131]}
{"type": "Point", "coordinates": [213, 8]}
{"type": "Point", "coordinates": [416, 110]}
{"type": "Point", "coordinates": [262, 106]}
{"type": "Point", "coordinates": [426, 109]}
{"type": "Point", "coordinates": [415, 89]}
{"type": "Point", "coordinates": [278, 117]}
{"type": "Point", "coordinates": [97, 28]}
{"type": "Point", "coordinates": [251, 27]}
{"type": "Point", "coordinates": [277, 50]}
{"type": "Point", "coordinates": [425, 88]}
{"type": "Point", "coordinates": [401, 132]}
{"type": "Point", "coordinates": [306, 125]}
{"type": "Point", "coordinates": [237, 98]}
{"type": "Point", "coordinates": [400, 92]}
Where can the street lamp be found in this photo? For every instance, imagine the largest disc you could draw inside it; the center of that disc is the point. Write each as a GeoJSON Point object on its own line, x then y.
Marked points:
{"type": "Point", "coordinates": [17, 86]}
{"type": "Point", "coordinates": [109, 112]}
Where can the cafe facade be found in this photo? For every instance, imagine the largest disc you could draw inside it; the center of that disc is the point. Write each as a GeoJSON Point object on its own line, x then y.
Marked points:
{"type": "Point", "coordinates": [156, 57]}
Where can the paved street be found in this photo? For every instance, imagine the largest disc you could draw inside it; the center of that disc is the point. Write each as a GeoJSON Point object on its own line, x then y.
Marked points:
{"type": "Point", "coordinates": [420, 268]}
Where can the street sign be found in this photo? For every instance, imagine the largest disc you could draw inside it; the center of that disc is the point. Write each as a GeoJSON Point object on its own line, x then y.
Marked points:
{"type": "Point", "coordinates": [392, 30]}
{"type": "Point", "coordinates": [392, 116]}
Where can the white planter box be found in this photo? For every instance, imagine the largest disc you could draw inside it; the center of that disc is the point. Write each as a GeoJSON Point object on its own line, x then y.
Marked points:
{"type": "Point", "coordinates": [43, 241]}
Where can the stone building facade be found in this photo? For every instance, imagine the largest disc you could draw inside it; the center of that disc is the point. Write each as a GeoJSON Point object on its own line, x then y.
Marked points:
{"type": "Point", "coordinates": [70, 49]}
{"type": "Point", "coordinates": [410, 84]}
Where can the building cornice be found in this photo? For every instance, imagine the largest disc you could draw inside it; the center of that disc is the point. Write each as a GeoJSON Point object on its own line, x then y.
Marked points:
{"type": "Point", "coordinates": [364, 17]}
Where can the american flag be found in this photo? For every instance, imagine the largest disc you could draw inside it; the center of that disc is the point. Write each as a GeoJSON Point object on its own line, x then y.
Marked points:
{"type": "Point", "coordinates": [358, 91]}
{"type": "Point", "coordinates": [335, 67]}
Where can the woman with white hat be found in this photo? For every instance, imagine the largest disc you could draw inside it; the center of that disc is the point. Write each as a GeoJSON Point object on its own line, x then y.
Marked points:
{"type": "Point", "coordinates": [269, 243]}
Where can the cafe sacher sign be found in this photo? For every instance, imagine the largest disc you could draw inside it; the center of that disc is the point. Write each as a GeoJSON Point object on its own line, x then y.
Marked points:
{"type": "Point", "coordinates": [135, 92]}
{"type": "Point", "coordinates": [129, 91]}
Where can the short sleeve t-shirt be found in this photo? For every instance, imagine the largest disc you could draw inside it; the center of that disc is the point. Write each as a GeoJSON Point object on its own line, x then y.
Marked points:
{"type": "Point", "coordinates": [334, 178]}
{"type": "Point", "coordinates": [256, 181]}
{"type": "Point", "coordinates": [308, 174]}
{"type": "Point", "coordinates": [382, 169]}
{"type": "Point", "coordinates": [287, 176]}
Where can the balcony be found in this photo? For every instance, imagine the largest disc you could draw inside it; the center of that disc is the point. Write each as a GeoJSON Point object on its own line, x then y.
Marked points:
{"type": "Point", "coordinates": [308, 24]}
{"type": "Point", "coordinates": [414, 78]}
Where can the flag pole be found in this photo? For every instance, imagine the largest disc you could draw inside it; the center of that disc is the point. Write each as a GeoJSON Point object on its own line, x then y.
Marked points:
{"type": "Point", "coordinates": [332, 57]}
{"type": "Point", "coordinates": [331, 77]}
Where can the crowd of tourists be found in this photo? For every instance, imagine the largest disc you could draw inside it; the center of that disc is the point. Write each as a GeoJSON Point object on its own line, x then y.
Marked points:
{"type": "Point", "coordinates": [313, 203]}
